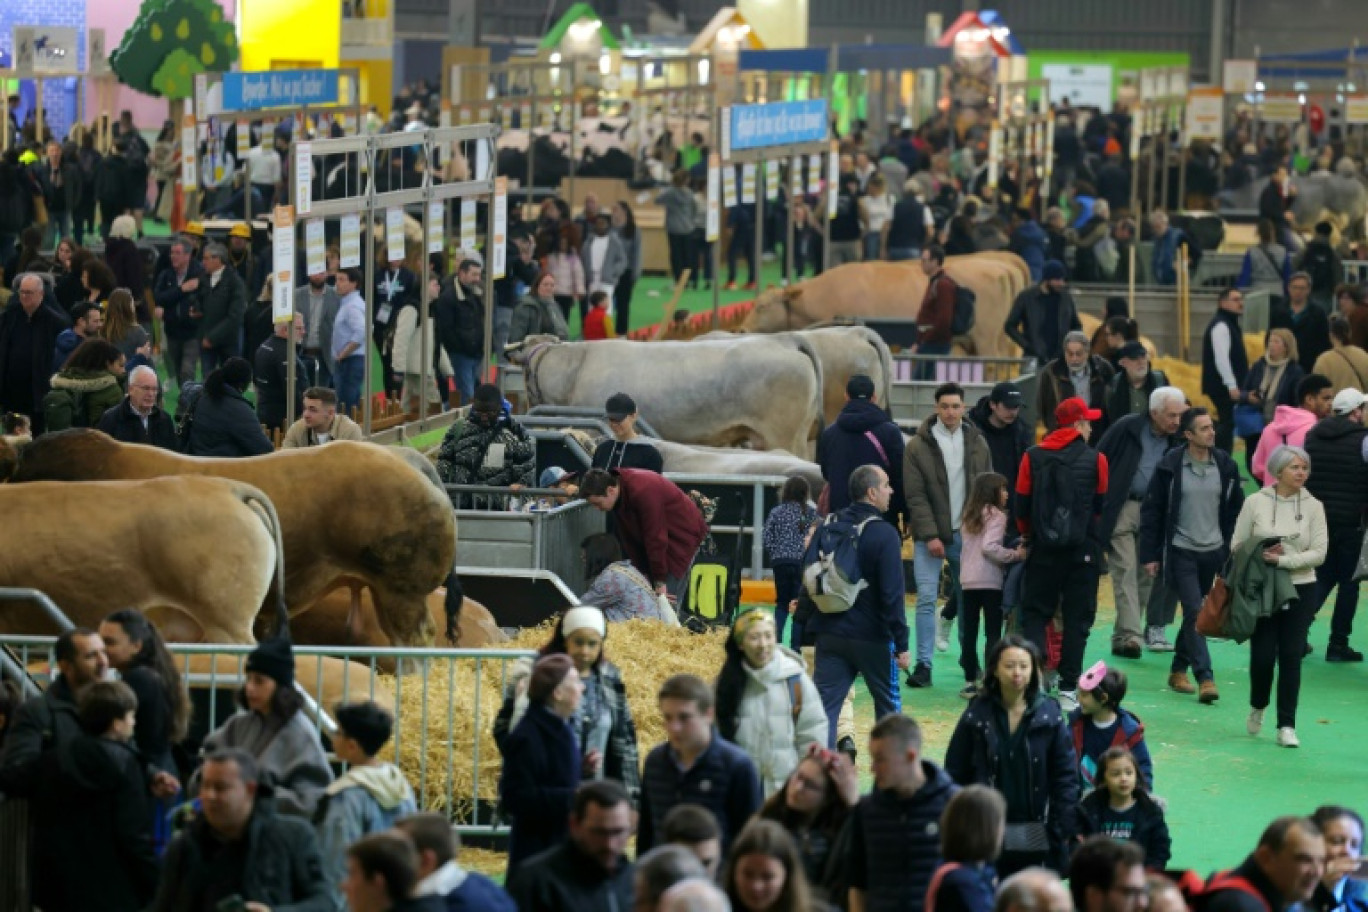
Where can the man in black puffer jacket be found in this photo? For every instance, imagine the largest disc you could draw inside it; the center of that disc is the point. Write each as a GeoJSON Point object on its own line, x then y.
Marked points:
{"type": "Point", "coordinates": [894, 830]}
{"type": "Point", "coordinates": [862, 434]}
{"type": "Point", "coordinates": [998, 417]}
{"type": "Point", "coordinates": [1339, 480]}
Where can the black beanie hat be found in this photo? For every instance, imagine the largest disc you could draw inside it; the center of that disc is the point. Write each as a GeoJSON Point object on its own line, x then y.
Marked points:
{"type": "Point", "coordinates": [274, 658]}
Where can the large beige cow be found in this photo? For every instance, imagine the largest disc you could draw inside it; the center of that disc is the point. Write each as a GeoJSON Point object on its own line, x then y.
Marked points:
{"type": "Point", "coordinates": [195, 554]}
{"type": "Point", "coordinates": [895, 290]}
{"type": "Point", "coordinates": [725, 390]}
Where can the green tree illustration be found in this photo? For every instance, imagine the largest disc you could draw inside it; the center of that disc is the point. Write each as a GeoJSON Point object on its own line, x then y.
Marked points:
{"type": "Point", "coordinates": [171, 41]}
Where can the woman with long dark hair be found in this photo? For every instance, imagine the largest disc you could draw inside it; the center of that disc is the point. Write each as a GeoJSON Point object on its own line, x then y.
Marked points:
{"type": "Point", "coordinates": [223, 423]}
{"type": "Point", "coordinates": [813, 805]}
{"type": "Point", "coordinates": [97, 279]}
{"type": "Point", "coordinates": [138, 652]}
{"type": "Point", "coordinates": [766, 703]}
{"type": "Point", "coordinates": [93, 376]}
{"type": "Point", "coordinates": [625, 227]}
{"type": "Point", "coordinates": [121, 327]}
{"type": "Point", "coordinates": [1012, 737]}
{"type": "Point", "coordinates": [603, 720]}
{"type": "Point", "coordinates": [271, 727]}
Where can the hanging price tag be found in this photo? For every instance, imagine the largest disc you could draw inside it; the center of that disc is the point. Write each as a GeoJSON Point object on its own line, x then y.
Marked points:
{"type": "Point", "coordinates": [748, 183]}
{"type": "Point", "coordinates": [796, 184]}
{"type": "Point", "coordinates": [303, 178]}
{"type": "Point", "coordinates": [315, 250]}
{"type": "Point", "coordinates": [283, 264]}
{"type": "Point", "coordinates": [815, 174]}
{"type": "Point", "coordinates": [714, 226]}
{"type": "Point", "coordinates": [729, 186]}
{"type": "Point", "coordinates": [500, 253]}
{"type": "Point", "coordinates": [350, 245]}
{"type": "Point", "coordinates": [468, 241]}
{"type": "Point", "coordinates": [436, 217]}
{"type": "Point", "coordinates": [833, 179]}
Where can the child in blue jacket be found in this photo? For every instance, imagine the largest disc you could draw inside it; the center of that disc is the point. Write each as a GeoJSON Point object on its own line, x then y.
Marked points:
{"type": "Point", "coordinates": [1101, 723]}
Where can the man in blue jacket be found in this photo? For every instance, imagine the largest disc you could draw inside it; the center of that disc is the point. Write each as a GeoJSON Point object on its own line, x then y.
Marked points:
{"type": "Point", "coordinates": [870, 639]}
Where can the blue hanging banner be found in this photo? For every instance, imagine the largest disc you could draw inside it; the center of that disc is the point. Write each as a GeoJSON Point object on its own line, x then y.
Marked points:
{"type": "Point", "coordinates": [279, 89]}
{"type": "Point", "coordinates": [780, 124]}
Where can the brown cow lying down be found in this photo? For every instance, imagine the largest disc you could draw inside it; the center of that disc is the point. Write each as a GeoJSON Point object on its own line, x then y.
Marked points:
{"type": "Point", "coordinates": [335, 621]}
{"type": "Point", "coordinates": [895, 290]}
{"type": "Point", "coordinates": [347, 511]}
{"type": "Point", "coordinates": [196, 554]}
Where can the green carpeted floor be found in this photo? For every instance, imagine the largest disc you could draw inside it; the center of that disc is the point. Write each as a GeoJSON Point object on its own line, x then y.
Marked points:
{"type": "Point", "coordinates": [1222, 786]}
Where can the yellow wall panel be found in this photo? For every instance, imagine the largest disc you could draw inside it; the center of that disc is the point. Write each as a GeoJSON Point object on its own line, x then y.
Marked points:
{"type": "Point", "coordinates": [280, 34]}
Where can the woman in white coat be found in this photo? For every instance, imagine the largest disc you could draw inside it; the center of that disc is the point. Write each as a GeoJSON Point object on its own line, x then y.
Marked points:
{"type": "Point", "coordinates": [1291, 525]}
{"type": "Point", "coordinates": [766, 703]}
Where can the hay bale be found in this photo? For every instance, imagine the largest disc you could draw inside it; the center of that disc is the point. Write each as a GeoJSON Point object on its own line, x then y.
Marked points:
{"type": "Point", "coordinates": [648, 652]}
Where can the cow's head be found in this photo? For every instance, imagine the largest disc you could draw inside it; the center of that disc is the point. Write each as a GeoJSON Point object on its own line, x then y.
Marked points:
{"type": "Point", "coordinates": [519, 352]}
{"type": "Point", "coordinates": [774, 311]}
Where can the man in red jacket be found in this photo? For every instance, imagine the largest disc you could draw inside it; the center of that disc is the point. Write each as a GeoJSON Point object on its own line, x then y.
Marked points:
{"type": "Point", "coordinates": [937, 311]}
{"type": "Point", "coordinates": [659, 526]}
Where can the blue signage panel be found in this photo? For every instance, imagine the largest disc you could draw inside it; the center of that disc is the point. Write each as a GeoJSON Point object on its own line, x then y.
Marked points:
{"type": "Point", "coordinates": [279, 89]}
{"type": "Point", "coordinates": [780, 124]}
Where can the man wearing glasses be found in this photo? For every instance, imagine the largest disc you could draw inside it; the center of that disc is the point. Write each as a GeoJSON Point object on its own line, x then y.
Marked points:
{"type": "Point", "coordinates": [138, 418]}
{"type": "Point", "coordinates": [626, 449]}
{"type": "Point", "coordinates": [28, 338]}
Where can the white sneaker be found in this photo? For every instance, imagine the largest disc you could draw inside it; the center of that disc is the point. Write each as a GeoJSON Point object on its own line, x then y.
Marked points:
{"type": "Point", "coordinates": [944, 627]}
{"type": "Point", "coordinates": [1068, 701]}
{"type": "Point", "coordinates": [1254, 724]}
{"type": "Point", "coordinates": [1287, 737]}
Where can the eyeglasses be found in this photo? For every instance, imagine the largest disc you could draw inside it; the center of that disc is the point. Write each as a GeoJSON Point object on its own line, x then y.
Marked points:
{"type": "Point", "coordinates": [144, 387]}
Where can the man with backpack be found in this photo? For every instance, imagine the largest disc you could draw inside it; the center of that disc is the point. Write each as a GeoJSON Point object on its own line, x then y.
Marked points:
{"type": "Point", "coordinates": [940, 464]}
{"type": "Point", "coordinates": [855, 576]}
{"type": "Point", "coordinates": [937, 312]}
{"type": "Point", "coordinates": [1060, 488]}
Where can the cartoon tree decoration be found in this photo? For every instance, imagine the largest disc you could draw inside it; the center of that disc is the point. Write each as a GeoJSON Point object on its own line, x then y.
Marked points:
{"type": "Point", "coordinates": [171, 41]}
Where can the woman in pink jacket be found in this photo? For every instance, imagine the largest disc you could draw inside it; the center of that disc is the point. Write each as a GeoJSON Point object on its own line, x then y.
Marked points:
{"type": "Point", "coordinates": [983, 562]}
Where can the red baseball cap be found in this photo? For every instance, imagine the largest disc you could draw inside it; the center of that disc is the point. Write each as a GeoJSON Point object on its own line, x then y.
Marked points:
{"type": "Point", "coordinates": [1073, 410]}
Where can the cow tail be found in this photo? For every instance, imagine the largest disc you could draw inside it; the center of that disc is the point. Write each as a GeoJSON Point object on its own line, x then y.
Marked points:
{"type": "Point", "coordinates": [820, 404]}
{"type": "Point", "coordinates": [455, 598]}
{"type": "Point", "coordinates": [262, 504]}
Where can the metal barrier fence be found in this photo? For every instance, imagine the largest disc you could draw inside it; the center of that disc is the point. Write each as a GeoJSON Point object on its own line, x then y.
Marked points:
{"type": "Point", "coordinates": [911, 399]}
{"type": "Point", "coordinates": [542, 540]}
{"type": "Point", "coordinates": [762, 492]}
{"type": "Point", "coordinates": [1156, 310]}
{"type": "Point", "coordinates": [1356, 272]}
{"type": "Point", "coordinates": [443, 705]}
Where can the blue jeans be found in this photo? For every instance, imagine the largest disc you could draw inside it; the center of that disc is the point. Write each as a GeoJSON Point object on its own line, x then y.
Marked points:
{"type": "Point", "coordinates": [467, 375]}
{"type": "Point", "coordinates": [839, 660]}
{"type": "Point", "coordinates": [899, 254]}
{"type": "Point", "coordinates": [926, 370]}
{"type": "Point", "coordinates": [350, 372]}
{"type": "Point", "coordinates": [927, 570]}
{"type": "Point", "coordinates": [58, 227]}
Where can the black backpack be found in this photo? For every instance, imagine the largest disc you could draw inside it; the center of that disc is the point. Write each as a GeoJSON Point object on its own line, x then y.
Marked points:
{"type": "Point", "coordinates": [1058, 520]}
{"type": "Point", "coordinates": [963, 320]}
{"type": "Point", "coordinates": [1319, 264]}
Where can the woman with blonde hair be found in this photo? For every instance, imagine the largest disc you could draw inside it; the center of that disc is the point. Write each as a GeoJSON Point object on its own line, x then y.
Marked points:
{"type": "Point", "coordinates": [1272, 381]}
{"type": "Point", "coordinates": [1289, 525]}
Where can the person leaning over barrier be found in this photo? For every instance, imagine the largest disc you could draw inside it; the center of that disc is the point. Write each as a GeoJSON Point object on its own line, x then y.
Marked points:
{"type": "Point", "coordinates": [1186, 522]}
{"type": "Point", "coordinates": [320, 423]}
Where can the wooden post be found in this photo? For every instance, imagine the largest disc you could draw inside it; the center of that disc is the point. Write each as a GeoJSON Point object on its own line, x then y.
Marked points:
{"type": "Point", "coordinates": [1130, 295]}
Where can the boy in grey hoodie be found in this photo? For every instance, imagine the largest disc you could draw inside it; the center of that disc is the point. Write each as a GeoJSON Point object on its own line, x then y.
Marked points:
{"type": "Point", "coordinates": [366, 799]}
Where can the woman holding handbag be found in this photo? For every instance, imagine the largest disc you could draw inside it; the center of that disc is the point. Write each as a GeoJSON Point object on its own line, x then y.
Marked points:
{"type": "Point", "coordinates": [1272, 381]}
{"type": "Point", "coordinates": [1290, 525]}
{"type": "Point", "coordinates": [1186, 522]}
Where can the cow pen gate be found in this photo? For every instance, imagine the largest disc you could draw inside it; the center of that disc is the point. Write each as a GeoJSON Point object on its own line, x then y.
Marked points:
{"type": "Point", "coordinates": [440, 691]}
{"type": "Point", "coordinates": [366, 156]}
